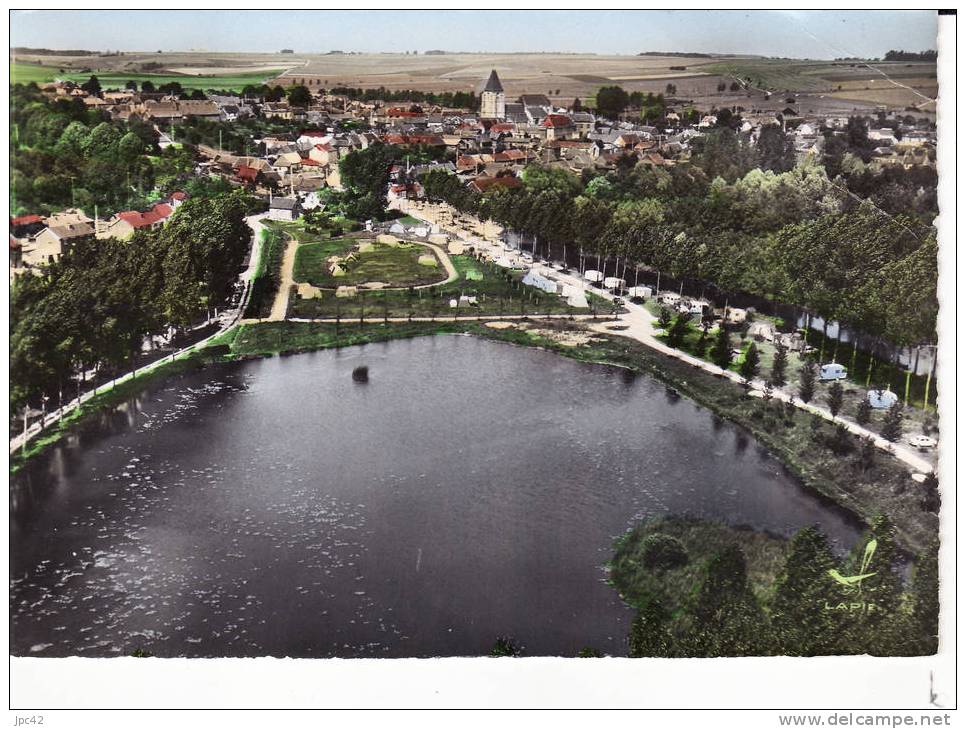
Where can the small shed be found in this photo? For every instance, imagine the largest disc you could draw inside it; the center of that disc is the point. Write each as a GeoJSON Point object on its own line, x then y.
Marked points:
{"type": "Point", "coordinates": [882, 399]}
{"type": "Point", "coordinates": [832, 371]}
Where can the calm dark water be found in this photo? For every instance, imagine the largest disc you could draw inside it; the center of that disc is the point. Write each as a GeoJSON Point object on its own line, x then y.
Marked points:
{"type": "Point", "coordinates": [470, 489]}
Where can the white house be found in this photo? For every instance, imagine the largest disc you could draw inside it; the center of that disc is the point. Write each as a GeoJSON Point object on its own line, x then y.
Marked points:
{"type": "Point", "coordinates": [284, 208]}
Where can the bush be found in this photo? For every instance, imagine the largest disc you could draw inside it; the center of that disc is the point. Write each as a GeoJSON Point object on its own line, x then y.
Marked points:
{"type": "Point", "coordinates": [663, 552]}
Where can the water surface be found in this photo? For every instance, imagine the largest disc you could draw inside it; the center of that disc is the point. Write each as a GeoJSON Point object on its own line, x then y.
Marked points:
{"type": "Point", "coordinates": [470, 489]}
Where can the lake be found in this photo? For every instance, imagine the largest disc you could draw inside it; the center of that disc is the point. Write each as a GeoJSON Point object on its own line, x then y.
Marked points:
{"type": "Point", "coordinates": [469, 490]}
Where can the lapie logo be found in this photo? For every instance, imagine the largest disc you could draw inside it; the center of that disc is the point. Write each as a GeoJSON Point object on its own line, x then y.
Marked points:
{"type": "Point", "coordinates": [852, 584]}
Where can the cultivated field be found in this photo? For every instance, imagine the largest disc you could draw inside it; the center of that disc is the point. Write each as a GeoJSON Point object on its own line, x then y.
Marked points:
{"type": "Point", "coordinates": [820, 86]}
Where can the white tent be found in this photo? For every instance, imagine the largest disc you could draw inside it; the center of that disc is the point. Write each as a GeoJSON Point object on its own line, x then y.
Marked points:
{"type": "Point", "coordinates": [613, 282]}
{"type": "Point", "coordinates": [642, 292]}
{"type": "Point", "coordinates": [578, 300]}
{"type": "Point", "coordinates": [592, 275]}
{"type": "Point", "coordinates": [882, 399]}
{"type": "Point", "coordinates": [541, 282]}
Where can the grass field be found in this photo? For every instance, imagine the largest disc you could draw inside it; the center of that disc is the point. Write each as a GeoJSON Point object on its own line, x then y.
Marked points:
{"type": "Point", "coordinates": [395, 267]}
{"type": "Point", "coordinates": [28, 72]}
{"type": "Point", "coordinates": [497, 292]}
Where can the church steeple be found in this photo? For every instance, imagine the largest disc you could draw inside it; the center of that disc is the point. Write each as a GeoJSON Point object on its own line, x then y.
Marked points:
{"type": "Point", "coordinates": [493, 83]}
{"type": "Point", "coordinates": [492, 99]}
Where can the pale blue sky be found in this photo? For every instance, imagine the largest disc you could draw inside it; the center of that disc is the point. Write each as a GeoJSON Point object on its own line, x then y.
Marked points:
{"type": "Point", "coordinates": [797, 34]}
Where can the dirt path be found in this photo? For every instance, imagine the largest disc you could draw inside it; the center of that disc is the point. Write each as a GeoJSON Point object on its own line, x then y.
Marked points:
{"type": "Point", "coordinates": [280, 307]}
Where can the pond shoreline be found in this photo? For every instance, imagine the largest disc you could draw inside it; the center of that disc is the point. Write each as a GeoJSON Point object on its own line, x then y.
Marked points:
{"type": "Point", "coordinates": [829, 481]}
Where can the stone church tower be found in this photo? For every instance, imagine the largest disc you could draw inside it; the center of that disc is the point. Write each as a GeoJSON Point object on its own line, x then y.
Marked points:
{"type": "Point", "coordinates": [493, 100]}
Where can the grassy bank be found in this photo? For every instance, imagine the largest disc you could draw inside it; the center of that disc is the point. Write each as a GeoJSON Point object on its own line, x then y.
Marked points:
{"type": "Point", "coordinates": [632, 575]}
{"type": "Point", "coordinates": [267, 276]}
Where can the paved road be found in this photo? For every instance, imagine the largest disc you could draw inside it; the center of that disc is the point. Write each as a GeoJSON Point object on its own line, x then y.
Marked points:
{"type": "Point", "coordinates": [227, 320]}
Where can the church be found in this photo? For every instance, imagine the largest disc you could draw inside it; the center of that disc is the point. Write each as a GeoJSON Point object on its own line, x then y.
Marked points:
{"type": "Point", "coordinates": [492, 99]}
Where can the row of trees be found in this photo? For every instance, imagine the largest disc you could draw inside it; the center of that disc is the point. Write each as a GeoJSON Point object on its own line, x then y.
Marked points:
{"type": "Point", "coordinates": [807, 613]}
{"type": "Point", "coordinates": [93, 307]}
{"type": "Point", "coordinates": [792, 236]}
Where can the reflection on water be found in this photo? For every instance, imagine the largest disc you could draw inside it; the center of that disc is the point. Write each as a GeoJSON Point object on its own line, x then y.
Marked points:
{"type": "Point", "coordinates": [470, 489]}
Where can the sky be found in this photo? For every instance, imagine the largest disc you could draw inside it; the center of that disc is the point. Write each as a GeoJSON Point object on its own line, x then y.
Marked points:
{"type": "Point", "coordinates": [786, 33]}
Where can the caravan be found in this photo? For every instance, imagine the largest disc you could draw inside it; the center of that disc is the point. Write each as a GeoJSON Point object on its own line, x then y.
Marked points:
{"type": "Point", "coordinates": [832, 371]}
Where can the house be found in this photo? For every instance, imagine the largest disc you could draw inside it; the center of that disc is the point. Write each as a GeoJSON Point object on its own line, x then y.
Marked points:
{"type": "Point", "coordinates": [24, 226]}
{"type": "Point", "coordinates": [584, 122]}
{"type": "Point", "coordinates": [51, 242]}
{"type": "Point", "coordinates": [284, 208]}
{"type": "Point", "coordinates": [482, 184]}
{"type": "Point", "coordinates": [558, 126]}
{"type": "Point", "coordinates": [123, 225]}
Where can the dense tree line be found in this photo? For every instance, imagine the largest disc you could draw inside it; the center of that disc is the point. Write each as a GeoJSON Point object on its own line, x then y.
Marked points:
{"type": "Point", "coordinates": [93, 307]}
{"type": "Point", "coordinates": [807, 612]}
{"type": "Point", "coordinates": [911, 56]}
{"type": "Point", "coordinates": [64, 154]}
{"type": "Point", "coordinates": [742, 220]}
{"type": "Point", "coordinates": [454, 99]}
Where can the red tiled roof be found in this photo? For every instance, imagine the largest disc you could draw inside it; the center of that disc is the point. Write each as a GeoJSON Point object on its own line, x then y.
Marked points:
{"type": "Point", "coordinates": [482, 184]}
{"type": "Point", "coordinates": [244, 172]}
{"type": "Point", "coordinates": [26, 220]}
{"type": "Point", "coordinates": [308, 162]}
{"type": "Point", "coordinates": [557, 121]}
{"type": "Point", "coordinates": [179, 195]}
{"type": "Point", "coordinates": [313, 133]}
{"type": "Point", "coordinates": [139, 220]}
{"type": "Point", "coordinates": [324, 147]}
{"type": "Point", "coordinates": [403, 113]}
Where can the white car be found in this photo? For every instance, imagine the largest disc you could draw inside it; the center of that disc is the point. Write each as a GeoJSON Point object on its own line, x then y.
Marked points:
{"type": "Point", "coordinates": [922, 441]}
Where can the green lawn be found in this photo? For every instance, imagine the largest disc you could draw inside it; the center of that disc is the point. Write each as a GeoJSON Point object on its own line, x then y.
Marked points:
{"type": "Point", "coordinates": [497, 292]}
{"type": "Point", "coordinates": [25, 73]}
{"type": "Point", "coordinates": [393, 266]}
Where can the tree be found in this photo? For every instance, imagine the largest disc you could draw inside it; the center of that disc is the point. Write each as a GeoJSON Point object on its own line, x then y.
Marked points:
{"type": "Point", "coordinates": [721, 349]}
{"type": "Point", "coordinates": [726, 619]}
{"type": "Point", "coordinates": [505, 647]}
{"type": "Point", "coordinates": [665, 318]}
{"type": "Point", "coordinates": [299, 95]}
{"type": "Point", "coordinates": [147, 87]}
{"type": "Point", "coordinates": [750, 364]}
{"type": "Point", "coordinates": [803, 626]}
{"type": "Point", "coordinates": [806, 381]}
{"type": "Point", "coordinates": [577, 105]}
{"type": "Point", "coordinates": [92, 86]}
{"type": "Point", "coordinates": [863, 412]}
{"type": "Point", "coordinates": [776, 151]}
{"type": "Point", "coordinates": [924, 629]}
{"type": "Point", "coordinates": [651, 635]}
{"type": "Point", "coordinates": [679, 328]}
{"type": "Point", "coordinates": [611, 101]}
{"type": "Point", "coordinates": [834, 398]}
{"type": "Point", "coordinates": [131, 85]}
{"type": "Point", "coordinates": [930, 500]}
{"type": "Point", "coordinates": [892, 423]}
{"type": "Point", "coordinates": [778, 365]}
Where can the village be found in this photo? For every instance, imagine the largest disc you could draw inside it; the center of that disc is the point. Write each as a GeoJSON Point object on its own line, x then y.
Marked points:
{"type": "Point", "coordinates": [485, 149]}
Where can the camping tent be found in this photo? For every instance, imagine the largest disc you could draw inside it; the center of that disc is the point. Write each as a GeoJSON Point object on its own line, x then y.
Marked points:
{"type": "Point", "coordinates": [641, 292]}
{"type": "Point", "coordinates": [882, 399]}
